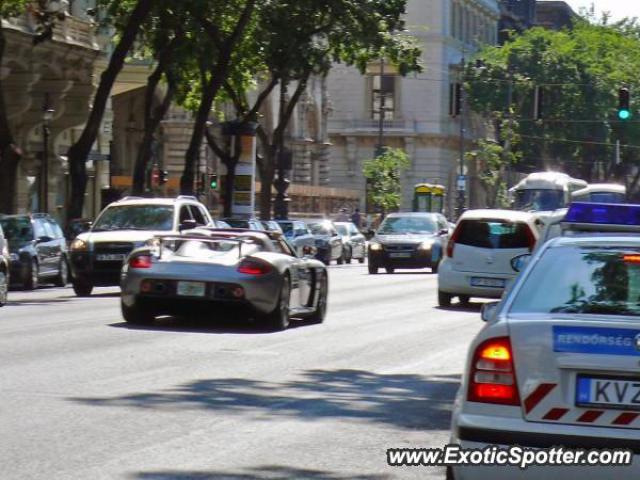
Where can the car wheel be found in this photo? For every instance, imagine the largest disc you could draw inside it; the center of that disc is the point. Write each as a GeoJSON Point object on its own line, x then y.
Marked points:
{"type": "Point", "coordinates": [390, 270]}
{"type": "Point", "coordinates": [464, 299]}
{"type": "Point", "coordinates": [278, 320]}
{"type": "Point", "coordinates": [434, 268]}
{"type": "Point", "coordinates": [82, 289]}
{"type": "Point", "coordinates": [4, 287]}
{"type": "Point", "coordinates": [135, 315]}
{"type": "Point", "coordinates": [444, 299]}
{"type": "Point", "coordinates": [349, 256]}
{"type": "Point", "coordinates": [63, 277]}
{"type": "Point", "coordinates": [373, 268]}
{"type": "Point", "coordinates": [340, 259]}
{"type": "Point", "coordinates": [321, 307]}
{"type": "Point", "coordinates": [31, 282]}
{"type": "Point", "coordinates": [361, 259]}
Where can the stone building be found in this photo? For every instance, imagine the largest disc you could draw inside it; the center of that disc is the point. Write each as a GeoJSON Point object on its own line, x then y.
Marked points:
{"type": "Point", "coordinates": [417, 113]}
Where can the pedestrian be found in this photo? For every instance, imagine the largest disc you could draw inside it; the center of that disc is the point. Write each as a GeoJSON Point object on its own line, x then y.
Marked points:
{"type": "Point", "coordinates": [356, 219]}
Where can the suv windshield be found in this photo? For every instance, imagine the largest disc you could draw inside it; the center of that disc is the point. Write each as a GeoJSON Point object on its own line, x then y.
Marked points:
{"type": "Point", "coordinates": [135, 217]}
{"type": "Point", "coordinates": [538, 200]}
{"type": "Point", "coordinates": [17, 229]}
{"type": "Point", "coordinates": [405, 225]}
{"type": "Point", "coordinates": [583, 280]}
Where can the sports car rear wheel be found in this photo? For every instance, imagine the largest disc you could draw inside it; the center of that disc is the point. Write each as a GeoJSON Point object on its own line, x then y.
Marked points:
{"type": "Point", "coordinates": [278, 320]}
{"type": "Point", "coordinates": [135, 315]}
{"type": "Point", "coordinates": [321, 307]}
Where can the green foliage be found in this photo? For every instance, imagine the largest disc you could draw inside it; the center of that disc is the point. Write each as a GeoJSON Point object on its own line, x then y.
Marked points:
{"type": "Point", "coordinates": [383, 176]}
{"type": "Point", "coordinates": [580, 71]}
{"type": "Point", "coordinates": [12, 8]}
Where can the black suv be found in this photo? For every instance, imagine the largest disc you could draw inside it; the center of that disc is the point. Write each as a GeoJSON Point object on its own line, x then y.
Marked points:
{"type": "Point", "coordinates": [37, 250]}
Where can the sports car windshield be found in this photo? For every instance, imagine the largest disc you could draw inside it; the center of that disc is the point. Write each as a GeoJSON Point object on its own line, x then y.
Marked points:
{"type": "Point", "coordinates": [135, 217]}
{"type": "Point", "coordinates": [578, 280]}
{"type": "Point", "coordinates": [406, 225]}
{"type": "Point", "coordinates": [207, 250]}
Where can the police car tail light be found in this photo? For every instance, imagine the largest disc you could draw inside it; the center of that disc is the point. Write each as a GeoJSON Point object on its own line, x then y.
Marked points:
{"type": "Point", "coordinates": [452, 241]}
{"type": "Point", "coordinates": [140, 261]}
{"type": "Point", "coordinates": [252, 266]}
{"type": "Point", "coordinates": [492, 378]}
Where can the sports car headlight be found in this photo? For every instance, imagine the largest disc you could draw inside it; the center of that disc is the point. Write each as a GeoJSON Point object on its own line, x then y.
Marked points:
{"type": "Point", "coordinates": [79, 246]}
{"type": "Point", "coordinates": [375, 247]}
{"type": "Point", "coordinates": [426, 245]}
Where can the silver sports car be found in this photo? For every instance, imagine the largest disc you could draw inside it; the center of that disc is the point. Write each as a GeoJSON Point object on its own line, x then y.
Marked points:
{"type": "Point", "coordinates": [219, 272]}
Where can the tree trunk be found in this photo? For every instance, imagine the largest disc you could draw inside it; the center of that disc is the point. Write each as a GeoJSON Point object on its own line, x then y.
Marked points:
{"type": "Point", "coordinates": [267, 176]}
{"type": "Point", "coordinates": [80, 150]}
{"type": "Point", "coordinates": [227, 194]}
{"type": "Point", "coordinates": [218, 75]}
{"type": "Point", "coordinates": [152, 122]}
{"type": "Point", "coordinates": [9, 155]}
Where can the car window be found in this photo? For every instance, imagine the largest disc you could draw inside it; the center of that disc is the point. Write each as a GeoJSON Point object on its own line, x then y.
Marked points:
{"type": "Point", "coordinates": [197, 215]}
{"type": "Point", "coordinates": [408, 224]}
{"type": "Point", "coordinates": [353, 230]}
{"type": "Point", "coordinates": [237, 223]}
{"type": "Point", "coordinates": [342, 230]}
{"type": "Point", "coordinates": [17, 229]}
{"type": "Point", "coordinates": [135, 217]}
{"type": "Point", "coordinates": [493, 234]}
{"type": "Point", "coordinates": [583, 280]}
{"type": "Point", "coordinates": [185, 214]}
{"type": "Point", "coordinates": [48, 228]}
{"type": "Point", "coordinates": [321, 229]}
{"type": "Point", "coordinates": [55, 228]}
{"type": "Point", "coordinates": [39, 229]}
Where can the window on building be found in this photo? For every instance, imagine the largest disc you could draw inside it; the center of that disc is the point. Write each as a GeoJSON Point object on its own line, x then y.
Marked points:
{"type": "Point", "coordinates": [383, 94]}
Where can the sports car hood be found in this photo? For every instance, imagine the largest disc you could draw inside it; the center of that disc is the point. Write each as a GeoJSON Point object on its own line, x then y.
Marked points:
{"type": "Point", "coordinates": [408, 238]}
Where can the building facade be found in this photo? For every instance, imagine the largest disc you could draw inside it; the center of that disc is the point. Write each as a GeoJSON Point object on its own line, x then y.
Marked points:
{"type": "Point", "coordinates": [418, 111]}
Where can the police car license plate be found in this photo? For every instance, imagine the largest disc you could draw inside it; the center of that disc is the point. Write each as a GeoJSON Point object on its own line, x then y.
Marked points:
{"type": "Point", "coordinates": [608, 392]}
{"type": "Point", "coordinates": [487, 282]}
{"type": "Point", "coordinates": [110, 257]}
{"type": "Point", "coordinates": [400, 255]}
{"type": "Point", "coordinates": [191, 289]}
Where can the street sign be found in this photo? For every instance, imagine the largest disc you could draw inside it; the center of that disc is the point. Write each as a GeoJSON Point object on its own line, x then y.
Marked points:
{"type": "Point", "coordinates": [461, 183]}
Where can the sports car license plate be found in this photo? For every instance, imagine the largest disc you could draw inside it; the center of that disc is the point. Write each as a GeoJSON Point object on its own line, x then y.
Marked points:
{"type": "Point", "coordinates": [400, 255]}
{"type": "Point", "coordinates": [487, 282]}
{"type": "Point", "coordinates": [110, 257]}
{"type": "Point", "coordinates": [608, 392]}
{"type": "Point", "coordinates": [191, 289]}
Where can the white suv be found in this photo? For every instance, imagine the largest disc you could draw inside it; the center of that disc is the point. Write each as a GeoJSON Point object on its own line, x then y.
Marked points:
{"type": "Point", "coordinates": [477, 260]}
{"type": "Point", "coordinates": [96, 256]}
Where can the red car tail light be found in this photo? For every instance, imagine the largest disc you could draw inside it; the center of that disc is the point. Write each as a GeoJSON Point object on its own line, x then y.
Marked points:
{"type": "Point", "coordinates": [140, 261]}
{"type": "Point", "coordinates": [452, 240]}
{"type": "Point", "coordinates": [492, 378]}
{"type": "Point", "coordinates": [252, 266]}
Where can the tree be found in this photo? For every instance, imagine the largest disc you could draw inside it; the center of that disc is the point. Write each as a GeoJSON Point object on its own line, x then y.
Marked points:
{"type": "Point", "coordinates": [10, 154]}
{"type": "Point", "coordinates": [383, 178]}
{"type": "Point", "coordinates": [127, 17]}
{"type": "Point", "coordinates": [579, 71]}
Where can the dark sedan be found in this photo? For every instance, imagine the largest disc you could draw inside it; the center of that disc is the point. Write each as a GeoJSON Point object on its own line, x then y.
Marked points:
{"type": "Point", "coordinates": [38, 250]}
{"type": "Point", "coordinates": [409, 240]}
{"type": "Point", "coordinates": [328, 243]}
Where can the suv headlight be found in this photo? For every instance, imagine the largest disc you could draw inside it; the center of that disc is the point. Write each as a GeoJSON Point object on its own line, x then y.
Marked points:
{"type": "Point", "coordinates": [79, 246]}
{"type": "Point", "coordinates": [375, 247]}
{"type": "Point", "coordinates": [426, 245]}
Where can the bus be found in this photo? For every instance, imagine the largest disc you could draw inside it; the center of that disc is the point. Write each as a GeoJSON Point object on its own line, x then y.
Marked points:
{"type": "Point", "coordinates": [601, 193]}
{"type": "Point", "coordinates": [544, 191]}
{"type": "Point", "coordinates": [428, 197]}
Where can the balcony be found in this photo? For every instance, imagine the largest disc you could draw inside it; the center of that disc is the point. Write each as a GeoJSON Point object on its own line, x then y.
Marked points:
{"type": "Point", "coordinates": [371, 127]}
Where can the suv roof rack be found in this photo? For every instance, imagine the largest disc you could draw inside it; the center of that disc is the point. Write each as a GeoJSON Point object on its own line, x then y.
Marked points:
{"type": "Point", "coordinates": [187, 197]}
{"type": "Point", "coordinates": [130, 197]}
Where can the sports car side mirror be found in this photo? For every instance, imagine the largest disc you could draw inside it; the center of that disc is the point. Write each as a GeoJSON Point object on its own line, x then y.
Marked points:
{"type": "Point", "coordinates": [488, 311]}
{"type": "Point", "coordinates": [309, 251]}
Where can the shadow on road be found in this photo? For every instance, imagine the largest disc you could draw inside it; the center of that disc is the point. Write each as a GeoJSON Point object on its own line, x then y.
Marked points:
{"type": "Point", "coordinates": [460, 307]}
{"type": "Point", "coordinates": [258, 473]}
{"type": "Point", "coordinates": [402, 400]}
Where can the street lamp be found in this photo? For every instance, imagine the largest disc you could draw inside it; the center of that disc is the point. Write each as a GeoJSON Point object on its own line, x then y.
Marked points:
{"type": "Point", "coordinates": [47, 116]}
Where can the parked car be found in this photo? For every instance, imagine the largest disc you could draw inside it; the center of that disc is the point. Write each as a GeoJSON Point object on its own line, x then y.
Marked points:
{"type": "Point", "coordinates": [477, 260]}
{"type": "Point", "coordinates": [248, 223]}
{"type": "Point", "coordinates": [298, 234]}
{"type": "Point", "coordinates": [220, 223]}
{"type": "Point", "coordinates": [328, 242]}
{"type": "Point", "coordinates": [353, 241]}
{"type": "Point", "coordinates": [96, 256]}
{"type": "Point", "coordinates": [409, 240]}
{"type": "Point", "coordinates": [4, 268]}
{"type": "Point", "coordinates": [271, 226]}
{"type": "Point", "coordinates": [37, 248]}
{"type": "Point", "coordinates": [217, 272]}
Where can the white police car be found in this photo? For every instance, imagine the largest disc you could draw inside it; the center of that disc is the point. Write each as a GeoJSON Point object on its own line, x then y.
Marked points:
{"type": "Point", "coordinates": [558, 363]}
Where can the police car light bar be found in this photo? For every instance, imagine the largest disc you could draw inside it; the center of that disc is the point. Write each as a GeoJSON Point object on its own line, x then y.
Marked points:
{"type": "Point", "coordinates": [605, 217]}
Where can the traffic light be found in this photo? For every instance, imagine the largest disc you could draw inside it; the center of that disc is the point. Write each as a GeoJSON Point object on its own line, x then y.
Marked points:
{"type": "Point", "coordinates": [624, 110]}
{"type": "Point", "coordinates": [163, 177]}
{"type": "Point", "coordinates": [213, 181]}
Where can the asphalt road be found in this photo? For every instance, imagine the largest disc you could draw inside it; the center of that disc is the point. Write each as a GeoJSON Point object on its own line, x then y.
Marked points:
{"type": "Point", "coordinates": [82, 396]}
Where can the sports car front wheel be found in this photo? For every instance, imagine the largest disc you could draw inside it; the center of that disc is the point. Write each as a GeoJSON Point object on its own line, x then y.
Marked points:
{"type": "Point", "coordinates": [278, 319]}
